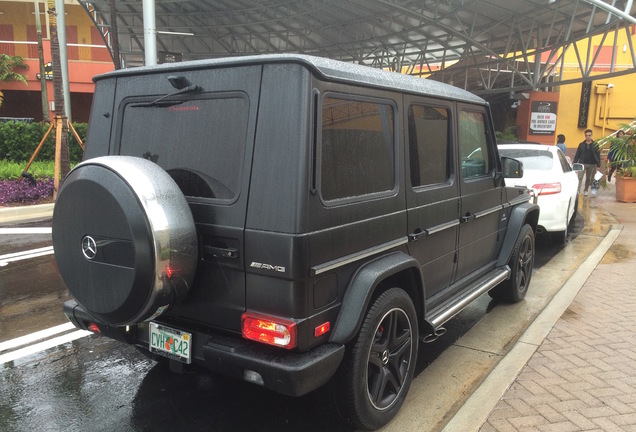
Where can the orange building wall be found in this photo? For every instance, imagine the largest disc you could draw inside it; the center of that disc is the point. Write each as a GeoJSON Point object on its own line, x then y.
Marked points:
{"type": "Point", "coordinates": [525, 114]}
{"type": "Point", "coordinates": [86, 52]}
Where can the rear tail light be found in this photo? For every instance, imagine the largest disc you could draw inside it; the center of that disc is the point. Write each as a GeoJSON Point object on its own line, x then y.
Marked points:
{"type": "Point", "coordinates": [547, 188]}
{"type": "Point", "coordinates": [269, 330]}
{"type": "Point", "coordinates": [93, 327]}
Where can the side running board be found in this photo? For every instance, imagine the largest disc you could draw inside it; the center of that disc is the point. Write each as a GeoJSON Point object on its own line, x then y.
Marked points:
{"type": "Point", "coordinates": [447, 310]}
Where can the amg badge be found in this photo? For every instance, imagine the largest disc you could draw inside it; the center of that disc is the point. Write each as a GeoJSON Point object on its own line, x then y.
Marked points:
{"type": "Point", "coordinates": [267, 267]}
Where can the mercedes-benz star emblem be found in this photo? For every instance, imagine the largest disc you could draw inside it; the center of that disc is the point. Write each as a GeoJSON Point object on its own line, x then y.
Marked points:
{"type": "Point", "coordinates": [89, 247]}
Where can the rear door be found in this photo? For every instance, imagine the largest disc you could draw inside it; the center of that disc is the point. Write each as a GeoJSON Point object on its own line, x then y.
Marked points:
{"type": "Point", "coordinates": [204, 140]}
{"type": "Point", "coordinates": [433, 195]}
{"type": "Point", "coordinates": [481, 199]}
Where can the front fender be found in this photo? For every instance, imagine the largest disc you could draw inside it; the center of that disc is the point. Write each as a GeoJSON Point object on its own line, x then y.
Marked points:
{"type": "Point", "coordinates": [363, 285]}
{"type": "Point", "coordinates": [522, 214]}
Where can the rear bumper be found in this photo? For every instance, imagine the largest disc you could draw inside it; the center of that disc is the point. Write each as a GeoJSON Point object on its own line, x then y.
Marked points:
{"type": "Point", "coordinates": [290, 373]}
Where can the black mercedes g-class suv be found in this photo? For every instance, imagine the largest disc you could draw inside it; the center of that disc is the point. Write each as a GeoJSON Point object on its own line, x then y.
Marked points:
{"type": "Point", "coordinates": [290, 221]}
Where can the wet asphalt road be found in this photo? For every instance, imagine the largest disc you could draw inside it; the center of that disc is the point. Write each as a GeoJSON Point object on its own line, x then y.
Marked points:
{"type": "Point", "coordinates": [95, 384]}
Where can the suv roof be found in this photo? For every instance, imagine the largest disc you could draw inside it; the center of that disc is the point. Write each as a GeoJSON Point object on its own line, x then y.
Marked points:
{"type": "Point", "coordinates": [327, 68]}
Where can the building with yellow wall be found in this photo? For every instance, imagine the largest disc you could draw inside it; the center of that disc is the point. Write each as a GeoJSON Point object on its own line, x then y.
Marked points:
{"type": "Point", "coordinates": [611, 102]}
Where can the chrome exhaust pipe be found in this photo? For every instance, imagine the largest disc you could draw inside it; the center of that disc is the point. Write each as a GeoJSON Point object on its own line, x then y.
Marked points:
{"type": "Point", "coordinates": [434, 336]}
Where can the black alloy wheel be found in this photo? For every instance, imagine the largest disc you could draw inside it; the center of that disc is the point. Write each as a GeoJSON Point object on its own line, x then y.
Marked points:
{"type": "Point", "coordinates": [379, 366]}
{"type": "Point", "coordinates": [521, 263]}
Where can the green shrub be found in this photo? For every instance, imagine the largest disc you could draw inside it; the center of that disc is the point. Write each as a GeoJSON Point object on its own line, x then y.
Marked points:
{"type": "Point", "coordinates": [12, 170]}
{"type": "Point", "coordinates": [18, 141]}
{"type": "Point", "coordinates": [509, 134]}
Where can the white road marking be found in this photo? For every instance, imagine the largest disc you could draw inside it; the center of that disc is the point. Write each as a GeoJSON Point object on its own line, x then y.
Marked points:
{"type": "Point", "coordinates": [33, 349]}
{"type": "Point", "coordinates": [34, 230]}
{"type": "Point", "coordinates": [18, 256]}
{"type": "Point", "coordinates": [38, 335]}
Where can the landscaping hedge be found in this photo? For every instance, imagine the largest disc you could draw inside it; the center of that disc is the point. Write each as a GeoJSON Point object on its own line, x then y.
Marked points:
{"type": "Point", "coordinates": [18, 141]}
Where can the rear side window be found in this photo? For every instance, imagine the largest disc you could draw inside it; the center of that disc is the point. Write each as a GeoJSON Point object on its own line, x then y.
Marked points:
{"type": "Point", "coordinates": [357, 151]}
{"type": "Point", "coordinates": [473, 144]}
{"type": "Point", "coordinates": [200, 142]}
{"type": "Point", "coordinates": [428, 145]}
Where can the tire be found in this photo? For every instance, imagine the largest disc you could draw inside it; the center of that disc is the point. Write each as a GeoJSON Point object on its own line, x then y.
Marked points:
{"type": "Point", "coordinates": [379, 363]}
{"type": "Point", "coordinates": [124, 239]}
{"type": "Point", "coordinates": [521, 264]}
{"type": "Point", "coordinates": [560, 237]}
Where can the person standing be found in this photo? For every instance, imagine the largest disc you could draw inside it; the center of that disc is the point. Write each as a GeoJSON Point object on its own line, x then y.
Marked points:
{"type": "Point", "coordinates": [561, 143]}
{"type": "Point", "coordinates": [588, 154]}
{"type": "Point", "coordinates": [612, 162]}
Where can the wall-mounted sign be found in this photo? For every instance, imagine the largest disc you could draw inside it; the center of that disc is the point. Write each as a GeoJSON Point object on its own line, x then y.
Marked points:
{"type": "Point", "coordinates": [543, 117]}
{"type": "Point", "coordinates": [584, 104]}
{"type": "Point", "coordinates": [48, 72]}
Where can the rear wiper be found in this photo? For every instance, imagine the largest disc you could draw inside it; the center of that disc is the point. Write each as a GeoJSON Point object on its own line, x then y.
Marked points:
{"type": "Point", "coordinates": [161, 101]}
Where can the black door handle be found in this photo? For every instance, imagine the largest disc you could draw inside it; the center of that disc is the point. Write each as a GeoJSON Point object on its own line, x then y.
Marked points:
{"type": "Point", "coordinates": [218, 252]}
{"type": "Point", "coordinates": [415, 235]}
{"type": "Point", "coordinates": [467, 218]}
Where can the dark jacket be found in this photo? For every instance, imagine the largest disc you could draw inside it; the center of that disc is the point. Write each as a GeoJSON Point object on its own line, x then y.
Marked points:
{"type": "Point", "coordinates": [588, 154]}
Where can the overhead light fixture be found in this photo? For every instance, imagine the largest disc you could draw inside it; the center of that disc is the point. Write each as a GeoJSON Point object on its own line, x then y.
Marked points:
{"type": "Point", "coordinates": [174, 33]}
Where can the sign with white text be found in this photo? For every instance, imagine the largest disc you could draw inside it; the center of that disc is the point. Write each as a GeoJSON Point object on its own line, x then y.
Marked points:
{"type": "Point", "coordinates": [543, 118]}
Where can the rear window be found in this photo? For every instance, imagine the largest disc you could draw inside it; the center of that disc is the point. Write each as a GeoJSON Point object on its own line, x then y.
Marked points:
{"type": "Point", "coordinates": [199, 142]}
{"type": "Point", "coordinates": [532, 159]}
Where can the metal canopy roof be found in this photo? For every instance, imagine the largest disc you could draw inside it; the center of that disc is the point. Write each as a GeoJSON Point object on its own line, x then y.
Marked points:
{"type": "Point", "coordinates": [486, 46]}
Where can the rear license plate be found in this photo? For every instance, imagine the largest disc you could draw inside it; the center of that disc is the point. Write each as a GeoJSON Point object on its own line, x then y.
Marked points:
{"type": "Point", "coordinates": [169, 342]}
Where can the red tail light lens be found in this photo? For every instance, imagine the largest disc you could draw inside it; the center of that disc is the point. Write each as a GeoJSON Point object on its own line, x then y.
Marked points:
{"type": "Point", "coordinates": [269, 330]}
{"type": "Point", "coordinates": [547, 188]}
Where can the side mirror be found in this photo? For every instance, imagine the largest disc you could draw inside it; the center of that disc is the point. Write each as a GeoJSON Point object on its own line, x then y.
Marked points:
{"type": "Point", "coordinates": [578, 167]}
{"type": "Point", "coordinates": [512, 168]}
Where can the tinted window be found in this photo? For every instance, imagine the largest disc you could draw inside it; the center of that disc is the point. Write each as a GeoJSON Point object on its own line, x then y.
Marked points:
{"type": "Point", "coordinates": [200, 143]}
{"type": "Point", "coordinates": [532, 159]}
{"type": "Point", "coordinates": [473, 144]}
{"type": "Point", "coordinates": [357, 148]}
{"type": "Point", "coordinates": [428, 145]}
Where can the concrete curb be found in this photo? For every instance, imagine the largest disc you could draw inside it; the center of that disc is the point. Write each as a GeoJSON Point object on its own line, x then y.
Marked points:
{"type": "Point", "coordinates": [475, 411]}
{"type": "Point", "coordinates": [25, 213]}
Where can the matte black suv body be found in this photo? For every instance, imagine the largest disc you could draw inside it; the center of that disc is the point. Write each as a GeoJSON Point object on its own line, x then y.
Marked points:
{"type": "Point", "coordinates": [283, 219]}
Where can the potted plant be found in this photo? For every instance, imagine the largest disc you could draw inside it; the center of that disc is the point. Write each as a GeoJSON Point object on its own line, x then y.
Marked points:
{"type": "Point", "coordinates": [623, 152]}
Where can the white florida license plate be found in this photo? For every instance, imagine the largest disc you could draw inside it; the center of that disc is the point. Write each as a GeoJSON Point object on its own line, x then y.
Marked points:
{"type": "Point", "coordinates": [169, 342]}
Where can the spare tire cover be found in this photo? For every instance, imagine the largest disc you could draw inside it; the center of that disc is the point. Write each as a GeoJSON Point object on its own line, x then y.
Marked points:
{"type": "Point", "coordinates": [124, 239]}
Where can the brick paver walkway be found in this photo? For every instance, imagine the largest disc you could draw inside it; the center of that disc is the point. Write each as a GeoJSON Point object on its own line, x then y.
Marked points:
{"type": "Point", "coordinates": [583, 376]}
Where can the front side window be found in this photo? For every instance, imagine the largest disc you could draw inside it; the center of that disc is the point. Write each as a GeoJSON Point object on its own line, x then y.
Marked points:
{"type": "Point", "coordinates": [200, 142]}
{"type": "Point", "coordinates": [473, 144]}
{"type": "Point", "coordinates": [429, 145]}
{"type": "Point", "coordinates": [357, 148]}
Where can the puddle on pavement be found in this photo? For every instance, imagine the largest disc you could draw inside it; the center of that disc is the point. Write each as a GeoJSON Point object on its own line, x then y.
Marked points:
{"type": "Point", "coordinates": [617, 253]}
